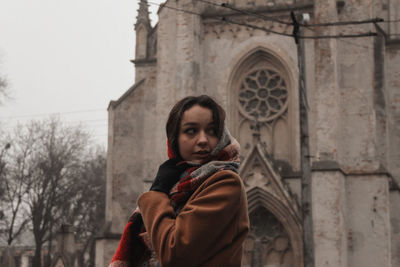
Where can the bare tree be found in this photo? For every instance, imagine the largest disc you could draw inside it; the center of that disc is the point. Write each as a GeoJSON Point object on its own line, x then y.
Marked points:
{"type": "Point", "coordinates": [3, 171]}
{"type": "Point", "coordinates": [52, 175]}
{"type": "Point", "coordinates": [58, 155]}
{"type": "Point", "coordinates": [88, 207]}
{"type": "Point", "coordinates": [14, 171]}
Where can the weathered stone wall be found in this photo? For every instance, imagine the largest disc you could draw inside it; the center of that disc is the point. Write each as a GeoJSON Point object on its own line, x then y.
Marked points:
{"type": "Point", "coordinates": [141, 43]}
{"type": "Point", "coordinates": [395, 226]}
{"type": "Point", "coordinates": [124, 167]}
{"type": "Point", "coordinates": [359, 148]}
{"type": "Point", "coordinates": [392, 78]}
{"type": "Point", "coordinates": [178, 66]}
{"type": "Point", "coordinates": [129, 151]}
{"type": "Point", "coordinates": [392, 85]}
{"type": "Point", "coordinates": [393, 8]}
{"type": "Point", "coordinates": [329, 218]}
{"type": "Point", "coordinates": [368, 221]}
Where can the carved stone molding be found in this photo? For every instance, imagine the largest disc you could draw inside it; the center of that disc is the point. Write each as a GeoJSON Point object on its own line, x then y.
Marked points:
{"type": "Point", "coordinates": [275, 235]}
{"type": "Point", "coordinates": [214, 28]}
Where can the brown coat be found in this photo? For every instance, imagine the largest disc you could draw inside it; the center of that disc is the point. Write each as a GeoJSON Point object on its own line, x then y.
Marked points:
{"type": "Point", "coordinates": [209, 230]}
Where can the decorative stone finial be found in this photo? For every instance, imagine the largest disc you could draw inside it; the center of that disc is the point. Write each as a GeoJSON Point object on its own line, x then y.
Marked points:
{"type": "Point", "coordinates": [143, 14]}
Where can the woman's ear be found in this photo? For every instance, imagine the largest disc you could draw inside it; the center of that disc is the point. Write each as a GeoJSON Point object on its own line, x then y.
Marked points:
{"type": "Point", "coordinates": [170, 151]}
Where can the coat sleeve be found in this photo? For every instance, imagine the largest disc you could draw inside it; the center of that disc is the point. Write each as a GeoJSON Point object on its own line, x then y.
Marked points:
{"type": "Point", "coordinates": [199, 231]}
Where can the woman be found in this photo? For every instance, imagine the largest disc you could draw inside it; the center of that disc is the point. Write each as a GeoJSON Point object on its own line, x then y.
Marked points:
{"type": "Point", "coordinates": [195, 213]}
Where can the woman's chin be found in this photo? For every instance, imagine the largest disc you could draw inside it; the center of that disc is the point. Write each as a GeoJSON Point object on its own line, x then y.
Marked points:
{"type": "Point", "coordinates": [199, 160]}
{"type": "Point", "coordinates": [195, 161]}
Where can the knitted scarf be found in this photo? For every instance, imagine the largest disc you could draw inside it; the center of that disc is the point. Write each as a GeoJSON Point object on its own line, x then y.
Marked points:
{"type": "Point", "coordinates": [135, 247]}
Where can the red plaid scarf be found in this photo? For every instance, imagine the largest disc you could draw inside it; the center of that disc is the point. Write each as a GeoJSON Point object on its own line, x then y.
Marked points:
{"type": "Point", "coordinates": [134, 248]}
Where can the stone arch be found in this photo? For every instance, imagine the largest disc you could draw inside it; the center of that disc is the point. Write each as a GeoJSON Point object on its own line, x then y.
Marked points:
{"type": "Point", "coordinates": [261, 58]}
{"type": "Point", "coordinates": [284, 247]}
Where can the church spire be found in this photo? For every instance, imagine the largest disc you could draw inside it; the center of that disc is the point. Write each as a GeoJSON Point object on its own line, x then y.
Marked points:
{"type": "Point", "coordinates": [142, 28]}
{"type": "Point", "coordinates": [143, 14]}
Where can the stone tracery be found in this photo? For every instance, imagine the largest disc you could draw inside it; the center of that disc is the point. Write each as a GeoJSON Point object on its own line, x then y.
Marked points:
{"type": "Point", "coordinates": [268, 243]}
{"type": "Point", "coordinates": [262, 95]}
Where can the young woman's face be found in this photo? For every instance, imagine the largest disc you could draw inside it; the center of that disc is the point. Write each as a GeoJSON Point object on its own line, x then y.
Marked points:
{"type": "Point", "coordinates": [197, 134]}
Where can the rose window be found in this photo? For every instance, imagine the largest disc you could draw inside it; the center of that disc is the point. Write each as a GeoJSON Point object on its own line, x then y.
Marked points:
{"type": "Point", "coordinates": [263, 95]}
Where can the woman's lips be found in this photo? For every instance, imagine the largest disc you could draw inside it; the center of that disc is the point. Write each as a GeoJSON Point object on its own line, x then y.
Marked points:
{"type": "Point", "coordinates": [202, 154]}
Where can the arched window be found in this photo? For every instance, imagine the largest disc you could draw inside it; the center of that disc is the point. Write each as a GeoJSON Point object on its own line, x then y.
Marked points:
{"type": "Point", "coordinates": [268, 243]}
{"type": "Point", "coordinates": [264, 91]}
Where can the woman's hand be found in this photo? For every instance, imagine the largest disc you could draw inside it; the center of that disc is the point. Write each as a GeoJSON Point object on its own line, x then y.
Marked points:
{"type": "Point", "coordinates": [168, 175]}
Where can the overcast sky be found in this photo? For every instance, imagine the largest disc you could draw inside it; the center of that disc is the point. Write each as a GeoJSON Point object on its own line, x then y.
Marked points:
{"type": "Point", "coordinates": [70, 57]}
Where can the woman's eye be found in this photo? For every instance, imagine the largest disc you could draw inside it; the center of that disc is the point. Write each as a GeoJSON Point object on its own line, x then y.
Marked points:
{"type": "Point", "coordinates": [190, 131]}
{"type": "Point", "coordinates": [212, 131]}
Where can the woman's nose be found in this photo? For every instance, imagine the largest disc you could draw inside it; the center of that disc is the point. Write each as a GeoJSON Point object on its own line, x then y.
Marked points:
{"type": "Point", "coordinates": [202, 140]}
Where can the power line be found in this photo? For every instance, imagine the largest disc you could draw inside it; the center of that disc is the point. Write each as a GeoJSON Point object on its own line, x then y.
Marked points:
{"type": "Point", "coordinates": [389, 21]}
{"type": "Point", "coordinates": [368, 34]}
{"type": "Point", "coordinates": [344, 23]}
{"type": "Point", "coordinates": [337, 23]}
{"type": "Point", "coordinates": [339, 36]}
{"type": "Point", "coordinates": [83, 123]}
{"type": "Point", "coordinates": [308, 26]}
{"type": "Point", "coordinates": [351, 43]}
{"type": "Point", "coordinates": [54, 113]}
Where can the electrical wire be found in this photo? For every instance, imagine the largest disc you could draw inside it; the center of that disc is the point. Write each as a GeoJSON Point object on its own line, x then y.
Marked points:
{"type": "Point", "coordinates": [337, 23]}
{"type": "Point", "coordinates": [348, 42]}
{"type": "Point", "coordinates": [368, 34]}
{"type": "Point", "coordinates": [339, 36]}
{"type": "Point", "coordinates": [344, 23]}
{"type": "Point", "coordinates": [53, 113]}
{"type": "Point", "coordinates": [389, 21]}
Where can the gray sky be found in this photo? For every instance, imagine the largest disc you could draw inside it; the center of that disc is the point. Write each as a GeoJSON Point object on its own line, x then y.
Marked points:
{"type": "Point", "coordinates": [66, 56]}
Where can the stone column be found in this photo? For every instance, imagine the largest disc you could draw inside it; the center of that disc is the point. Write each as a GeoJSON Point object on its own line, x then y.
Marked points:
{"type": "Point", "coordinates": [329, 215]}
{"type": "Point", "coordinates": [350, 187]}
{"type": "Point", "coordinates": [327, 104]}
{"type": "Point", "coordinates": [328, 181]}
{"type": "Point", "coordinates": [363, 149]}
{"type": "Point", "coordinates": [368, 223]}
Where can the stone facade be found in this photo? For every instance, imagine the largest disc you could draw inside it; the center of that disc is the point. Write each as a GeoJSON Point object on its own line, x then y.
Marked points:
{"type": "Point", "coordinates": [352, 91]}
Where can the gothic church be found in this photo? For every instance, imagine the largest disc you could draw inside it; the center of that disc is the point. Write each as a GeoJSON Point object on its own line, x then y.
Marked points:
{"type": "Point", "coordinates": [249, 63]}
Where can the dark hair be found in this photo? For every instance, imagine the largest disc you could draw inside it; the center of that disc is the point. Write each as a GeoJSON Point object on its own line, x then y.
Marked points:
{"type": "Point", "coordinates": [176, 114]}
